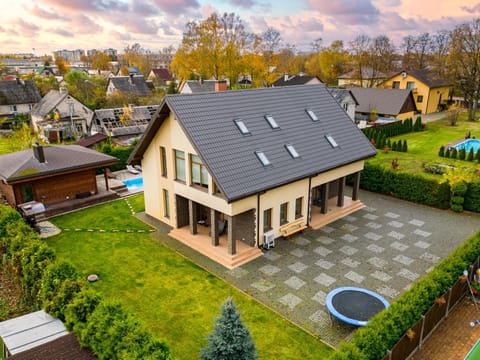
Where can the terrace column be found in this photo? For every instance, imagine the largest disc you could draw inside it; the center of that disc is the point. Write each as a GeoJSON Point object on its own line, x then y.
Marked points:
{"type": "Point", "coordinates": [356, 186]}
{"type": "Point", "coordinates": [192, 216]}
{"type": "Point", "coordinates": [106, 179]}
{"type": "Point", "coordinates": [231, 241]}
{"type": "Point", "coordinates": [341, 192]}
{"type": "Point", "coordinates": [214, 227]}
{"type": "Point", "coordinates": [324, 192]}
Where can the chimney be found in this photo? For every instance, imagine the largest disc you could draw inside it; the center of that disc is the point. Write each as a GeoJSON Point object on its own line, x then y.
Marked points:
{"type": "Point", "coordinates": [220, 85]}
{"type": "Point", "coordinates": [285, 77]}
{"type": "Point", "coordinates": [38, 152]}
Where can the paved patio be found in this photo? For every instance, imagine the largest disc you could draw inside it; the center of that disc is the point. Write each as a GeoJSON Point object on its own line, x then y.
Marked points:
{"type": "Point", "coordinates": [384, 247]}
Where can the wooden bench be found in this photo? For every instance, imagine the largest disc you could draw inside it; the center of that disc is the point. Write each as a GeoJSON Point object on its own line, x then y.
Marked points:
{"type": "Point", "coordinates": [292, 228]}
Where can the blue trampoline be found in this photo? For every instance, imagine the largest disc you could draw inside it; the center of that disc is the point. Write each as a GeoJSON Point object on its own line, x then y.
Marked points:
{"type": "Point", "coordinates": [354, 305]}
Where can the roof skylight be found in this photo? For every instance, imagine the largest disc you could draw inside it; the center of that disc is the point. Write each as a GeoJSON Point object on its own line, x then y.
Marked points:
{"type": "Point", "coordinates": [263, 158]}
{"type": "Point", "coordinates": [292, 151]}
{"type": "Point", "coordinates": [331, 140]}
{"type": "Point", "coordinates": [312, 115]}
{"type": "Point", "coordinates": [241, 126]}
{"type": "Point", "coordinates": [271, 121]}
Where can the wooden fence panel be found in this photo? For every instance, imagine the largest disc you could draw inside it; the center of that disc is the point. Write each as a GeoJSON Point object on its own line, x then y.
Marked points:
{"type": "Point", "coordinates": [408, 343]}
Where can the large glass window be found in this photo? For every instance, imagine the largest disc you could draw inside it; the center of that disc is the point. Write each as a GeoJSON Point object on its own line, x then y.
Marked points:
{"type": "Point", "coordinates": [166, 203]}
{"type": "Point", "coordinates": [298, 207]}
{"type": "Point", "coordinates": [180, 165]}
{"type": "Point", "coordinates": [267, 219]}
{"type": "Point", "coordinates": [410, 85]}
{"type": "Point", "coordinates": [284, 213]}
{"type": "Point", "coordinates": [199, 172]}
{"type": "Point", "coordinates": [163, 161]}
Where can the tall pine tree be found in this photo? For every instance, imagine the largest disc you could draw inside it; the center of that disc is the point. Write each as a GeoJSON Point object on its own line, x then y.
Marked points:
{"type": "Point", "coordinates": [230, 339]}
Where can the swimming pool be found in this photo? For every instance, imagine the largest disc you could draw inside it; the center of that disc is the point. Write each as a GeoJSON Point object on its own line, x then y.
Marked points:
{"type": "Point", "coordinates": [134, 184]}
{"type": "Point", "coordinates": [469, 144]}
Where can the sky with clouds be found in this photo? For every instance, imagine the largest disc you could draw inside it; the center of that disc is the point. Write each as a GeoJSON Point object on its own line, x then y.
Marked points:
{"type": "Point", "coordinates": [47, 25]}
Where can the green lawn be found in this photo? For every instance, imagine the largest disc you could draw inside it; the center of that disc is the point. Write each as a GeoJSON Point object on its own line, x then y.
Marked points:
{"type": "Point", "coordinates": [177, 300]}
{"type": "Point", "coordinates": [423, 146]}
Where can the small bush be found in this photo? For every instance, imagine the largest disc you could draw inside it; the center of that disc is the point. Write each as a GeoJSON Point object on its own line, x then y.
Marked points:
{"type": "Point", "coordinates": [441, 152]}
{"type": "Point", "coordinates": [462, 154]}
{"type": "Point", "coordinates": [456, 208]}
{"type": "Point", "coordinates": [447, 153]}
{"type": "Point", "coordinates": [453, 153]}
{"type": "Point", "coordinates": [470, 155]}
{"type": "Point", "coordinates": [405, 147]}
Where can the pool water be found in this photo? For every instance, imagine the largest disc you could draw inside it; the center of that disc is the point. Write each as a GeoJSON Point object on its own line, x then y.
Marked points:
{"type": "Point", "coordinates": [469, 144]}
{"type": "Point", "coordinates": [134, 184]}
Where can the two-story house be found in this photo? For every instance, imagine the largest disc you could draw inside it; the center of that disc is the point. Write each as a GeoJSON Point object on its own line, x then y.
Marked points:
{"type": "Point", "coordinates": [17, 97]}
{"type": "Point", "coordinates": [430, 92]}
{"type": "Point", "coordinates": [231, 171]}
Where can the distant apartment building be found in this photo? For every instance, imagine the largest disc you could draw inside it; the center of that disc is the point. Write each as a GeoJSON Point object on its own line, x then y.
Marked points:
{"type": "Point", "coordinates": [71, 56]}
{"type": "Point", "coordinates": [110, 52]}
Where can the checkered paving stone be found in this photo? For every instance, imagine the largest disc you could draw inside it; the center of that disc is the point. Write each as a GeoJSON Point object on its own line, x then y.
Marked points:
{"type": "Point", "coordinates": [422, 233]}
{"type": "Point", "coordinates": [325, 264]}
{"type": "Point", "coordinates": [350, 218]}
{"type": "Point", "coordinates": [430, 258]}
{"type": "Point", "coordinates": [417, 222]}
{"type": "Point", "coordinates": [325, 240]}
{"type": "Point", "coordinates": [392, 215]}
{"type": "Point", "coordinates": [350, 263]}
{"type": "Point", "coordinates": [324, 279]}
{"type": "Point", "coordinates": [374, 225]}
{"type": "Point", "coordinates": [298, 267]}
{"type": "Point", "coordinates": [348, 250]}
{"type": "Point", "coordinates": [422, 244]}
{"type": "Point", "coordinates": [319, 316]}
{"type": "Point", "coordinates": [395, 224]}
{"type": "Point", "coordinates": [388, 291]}
{"type": "Point", "coordinates": [327, 229]}
{"type": "Point", "coordinates": [375, 248]}
{"type": "Point", "coordinates": [349, 227]}
{"type": "Point", "coordinates": [352, 275]}
{"type": "Point", "coordinates": [320, 297]}
{"type": "Point", "coordinates": [290, 300]}
{"type": "Point", "coordinates": [269, 269]}
{"type": "Point", "coordinates": [272, 255]}
{"type": "Point", "coordinates": [396, 235]}
{"type": "Point", "coordinates": [402, 259]}
{"type": "Point", "coordinates": [373, 236]}
{"type": "Point", "coordinates": [349, 238]}
{"type": "Point", "coordinates": [238, 272]}
{"type": "Point", "coordinates": [399, 246]}
{"type": "Point", "coordinates": [298, 253]}
{"type": "Point", "coordinates": [263, 285]}
{"type": "Point", "coordinates": [370, 216]}
{"type": "Point", "coordinates": [380, 275]}
{"type": "Point", "coordinates": [377, 262]}
{"type": "Point", "coordinates": [409, 275]}
{"type": "Point", "coordinates": [369, 209]}
{"type": "Point", "coordinates": [294, 282]}
{"type": "Point", "coordinates": [322, 251]}
{"type": "Point", "coordinates": [301, 241]}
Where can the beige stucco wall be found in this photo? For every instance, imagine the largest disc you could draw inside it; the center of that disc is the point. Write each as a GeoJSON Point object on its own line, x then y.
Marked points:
{"type": "Point", "coordinates": [171, 136]}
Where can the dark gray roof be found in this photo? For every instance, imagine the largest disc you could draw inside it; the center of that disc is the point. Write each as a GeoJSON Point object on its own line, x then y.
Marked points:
{"type": "Point", "coordinates": [23, 164]}
{"type": "Point", "coordinates": [208, 121]}
{"type": "Point", "coordinates": [135, 84]}
{"type": "Point", "coordinates": [299, 79]}
{"type": "Point", "coordinates": [107, 120]}
{"type": "Point", "coordinates": [14, 92]}
{"type": "Point", "coordinates": [385, 101]}
{"type": "Point", "coordinates": [341, 94]}
{"type": "Point", "coordinates": [427, 77]}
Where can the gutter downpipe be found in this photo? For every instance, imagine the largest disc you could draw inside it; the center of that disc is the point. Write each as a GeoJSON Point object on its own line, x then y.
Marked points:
{"type": "Point", "coordinates": [309, 199]}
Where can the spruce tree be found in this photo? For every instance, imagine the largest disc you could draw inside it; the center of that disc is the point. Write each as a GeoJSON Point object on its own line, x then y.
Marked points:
{"type": "Point", "coordinates": [405, 146]}
{"type": "Point", "coordinates": [230, 339]}
{"type": "Point", "coordinates": [470, 155]}
{"type": "Point", "coordinates": [477, 155]}
{"type": "Point", "coordinates": [441, 152]}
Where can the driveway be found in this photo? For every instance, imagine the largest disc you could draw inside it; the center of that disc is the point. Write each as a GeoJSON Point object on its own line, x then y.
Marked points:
{"type": "Point", "coordinates": [384, 247]}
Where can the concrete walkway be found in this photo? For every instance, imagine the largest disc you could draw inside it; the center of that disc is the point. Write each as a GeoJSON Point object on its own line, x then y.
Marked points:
{"type": "Point", "coordinates": [384, 247]}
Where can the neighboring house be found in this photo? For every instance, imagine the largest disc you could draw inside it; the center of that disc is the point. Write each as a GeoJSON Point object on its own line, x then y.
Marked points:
{"type": "Point", "coordinates": [201, 86]}
{"type": "Point", "coordinates": [51, 174]}
{"type": "Point", "coordinates": [103, 73]}
{"type": "Point", "coordinates": [132, 84]}
{"type": "Point", "coordinates": [160, 77]}
{"type": "Point", "coordinates": [346, 100]}
{"type": "Point", "coordinates": [299, 79]}
{"type": "Point", "coordinates": [230, 171]}
{"type": "Point", "coordinates": [39, 335]}
{"type": "Point", "coordinates": [17, 97]}
{"type": "Point", "coordinates": [384, 103]}
{"type": "Point", "coordinates": [115, 122]}
{"type": "Point", "coordinates": [367, 78]}
{"type": "Point", "coordinates": [59, 116]}
{"type": "Point", "coordinates": [45, 71]}
{"type": "Point", "coordinates": [134, 70]}
{"type": "Point", "coordinates": [430, 92]}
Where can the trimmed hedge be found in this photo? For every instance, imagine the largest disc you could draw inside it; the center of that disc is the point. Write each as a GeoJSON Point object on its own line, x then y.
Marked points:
{"type": "Point", "coordinates": [405, 186]}
{"type": "Point", "coordinates": [472, 197]}
{"type": "Point", "coordinates": [59, 289]}
{"type": "Point", "coordinates": [385, 329]}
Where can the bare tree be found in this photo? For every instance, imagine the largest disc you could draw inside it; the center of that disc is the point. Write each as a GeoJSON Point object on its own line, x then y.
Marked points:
{"type": "Point", "coordinates": [416, 50]}
{"type": "Point", "coordinates": [440, 50]}
{"type": "Point", "coordinates": [359, 49]}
